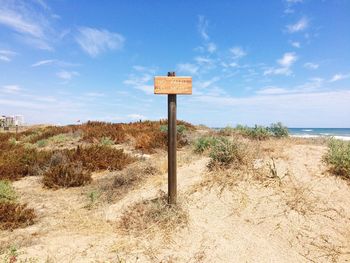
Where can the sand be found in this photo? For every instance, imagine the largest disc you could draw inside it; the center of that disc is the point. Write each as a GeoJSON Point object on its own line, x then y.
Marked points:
{"type": "Point", "coordinates": [303, 217]}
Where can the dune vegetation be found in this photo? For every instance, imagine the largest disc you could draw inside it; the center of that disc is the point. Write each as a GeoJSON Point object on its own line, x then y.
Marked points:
{"type": "Point", "coordinates": [105, 185]}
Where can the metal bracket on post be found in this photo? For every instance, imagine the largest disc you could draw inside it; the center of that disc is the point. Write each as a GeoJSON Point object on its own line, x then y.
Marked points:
{"type": "Point", "coordinates": [172, 180]}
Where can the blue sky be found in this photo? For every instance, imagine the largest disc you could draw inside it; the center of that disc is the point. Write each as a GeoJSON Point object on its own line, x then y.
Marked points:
{"type": "Point", "coordinates": [252, 62]}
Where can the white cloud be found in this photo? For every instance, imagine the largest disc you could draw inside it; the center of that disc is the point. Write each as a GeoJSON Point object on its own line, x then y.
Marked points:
{"type": "Point", "coordinates": [55, 62]}
{"type": "Point", "coordinates": [203, 60]}
{"type": "Point", "coordinates": [312, 85]}
{"type": "Point", "coordinates": [272, 91]}
{"type": "Point", "coordinates": [11, 89]}
{"type": "Point", "coordinates": [278, 71]}
{"type": "Point", "coordinates": [141, 80]}
{"type": "Point", "coordinates": [285, 62]}
{"type": "Point", "coordinates": [67, 75]}
{"type": "Point", "coordinates": [295, 110]}
{"type": "Point", "coordinates": [32, 27]}
{"type": "Point", "coordinates": [300, 25]}
{"type": "Point", "coordinates": [202, 27]}
{"type": "Point", "coordinates": [211, 47]}
{"type": "Point", "coordinates": [7, 55]}
{"type": "Point", "coordinates": [43, 62]}
{"type": "Point", "coordinates": [207, 83]}
{"type": "Point", "coordinates": [310, 65]}
{"type": "Point", "coordinates": [339, 76]}
{"type": "Point", "coordinates": [96, 41]}
{"type": "Point", "coordinates": [142, 69]}
{"type": "Point", "coordinates": [296, 44]}
{"type": "Point", "coordinates": [288, 59]}
{"type": "Point", "coordinates": [94, 94]}
{"type": "Point", "coordinates": [136, 116]}
{"type": "Point", "coordinates": [188, 68]}
{"type": "Point", "coordinates": [237, 52]}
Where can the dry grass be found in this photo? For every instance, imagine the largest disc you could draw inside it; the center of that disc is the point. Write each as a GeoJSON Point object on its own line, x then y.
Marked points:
{"type": "Point", "coordinates": [17, 162]}
{"type": "Point", "coordinates": [127, 179]}
{"type": "Point", "coordinates": [72, 168]}
{"type": "Point", "coordinates": [13, 215]}
{"type": "Point", "coordinates": [153, 217]}
{"type": "Point", "coordinates": [134, 174]}
{"type": "Point", "coordinates": [98, 157]}
{"type": "Point", "coordinates": [66, 175]}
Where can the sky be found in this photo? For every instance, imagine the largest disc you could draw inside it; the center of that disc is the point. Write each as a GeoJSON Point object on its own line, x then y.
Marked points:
{"type": "Point", "coordinates": [252, 62]}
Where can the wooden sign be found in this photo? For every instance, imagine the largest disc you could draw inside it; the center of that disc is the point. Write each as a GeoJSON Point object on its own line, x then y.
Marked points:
{"type": "Point", "coordinates": [173, 85]}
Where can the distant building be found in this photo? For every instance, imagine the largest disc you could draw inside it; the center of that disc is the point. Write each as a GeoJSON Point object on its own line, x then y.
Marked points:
{"type": "Point", "coordinates": [10, 121]}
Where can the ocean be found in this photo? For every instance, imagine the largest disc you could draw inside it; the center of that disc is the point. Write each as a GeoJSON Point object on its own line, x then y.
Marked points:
{"type": "Point", "coordinates": [338, 133]}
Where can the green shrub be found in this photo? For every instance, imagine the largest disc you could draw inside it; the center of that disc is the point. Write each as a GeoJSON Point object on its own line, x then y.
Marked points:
{"type": "Point", "coordinates": [7, 193]}
{"type": "Point", "coordinates": [181, 128]}
{"type": "Point", "coordinates": [259, 132]}
{"type": "Point", "coordinates": [12, 141]}
{"type": "Point", "coordinates": [42, 143]}
{"type": "Point", "coordinates": [278, 130]}
{"type": "Point", "coordinates": [204, 143]}
{"type": "Point", "coordinates": [105, 141]}
{"type": "Point", "coordinates": [338, 157]}
{"type": "Point", "coordinates": [59, 138]}
{"type": "Point", "coordinates": [225, 152]}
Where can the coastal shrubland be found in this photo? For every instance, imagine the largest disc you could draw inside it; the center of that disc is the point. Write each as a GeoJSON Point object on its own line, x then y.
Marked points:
{"type": "Point", "coordinates": [258, 132]}
{"type": "Point", "coordinates": [147, 135]}
{"type": "Point", "coordinates": [338, 158]}
{"type": "Point", "coordinates": [29, 152]}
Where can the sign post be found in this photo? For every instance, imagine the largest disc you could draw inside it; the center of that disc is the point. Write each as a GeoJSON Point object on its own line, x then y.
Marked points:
{"type": "Point", "coordinates": [172, 86]}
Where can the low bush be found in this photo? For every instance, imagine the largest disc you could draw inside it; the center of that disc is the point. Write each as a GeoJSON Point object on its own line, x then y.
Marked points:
{"type": "Point", "coordinates": [42, 143]}
{"type": "Point", "coordinates": [105, 141]}
{"type": "Point", "coordinates": [13, 215]}
{"type": "Point", "coordinates": [71, 168]}
{"type": "Point", "coordinates": [7, 193]}
{"type": "Point", "coordinates": [97, 157]}
{"type": "Point", "coordinates": [225, 153]}
{"type": "Point", "coordinates": [66, 175]}
{"type": "Point", "coordinates": [338, 158]}
{"type": "Point", "coordinates": [278, 130]}
{"type": "Point", "coordinates": [19, 161]}
{"type": "Point", "coordinates": [134, 174]}
{"type": "Point", "coordinates": [153, 216]}
{"type": "Point", "coordinates": [259, 133]}
{"type": "Point", "coordinates": [204, 143]}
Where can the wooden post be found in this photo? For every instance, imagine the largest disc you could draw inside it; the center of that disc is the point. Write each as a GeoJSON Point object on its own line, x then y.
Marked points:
{"type": "Point", "coordinates": [171, 86]}
{"type": "Point", "coordinates": [172, 180]}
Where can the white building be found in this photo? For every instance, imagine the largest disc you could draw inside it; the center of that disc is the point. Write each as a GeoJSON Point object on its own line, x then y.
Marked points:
{"type": "Point", "coordinates": [10, 121]}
